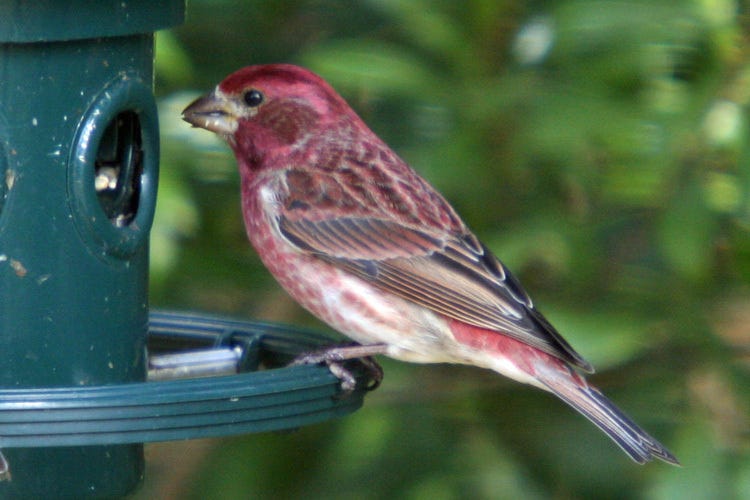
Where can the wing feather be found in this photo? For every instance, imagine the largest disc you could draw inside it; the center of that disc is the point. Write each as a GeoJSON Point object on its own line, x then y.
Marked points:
{"type": "Point", "coordinates": [454, 275]}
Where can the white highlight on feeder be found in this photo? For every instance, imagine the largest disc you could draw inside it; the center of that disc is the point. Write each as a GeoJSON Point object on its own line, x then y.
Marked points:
{"type": "Point", "coordinates": [198, 363]}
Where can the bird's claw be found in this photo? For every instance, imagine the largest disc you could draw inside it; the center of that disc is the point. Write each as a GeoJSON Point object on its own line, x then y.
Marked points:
{"type": "Point", "coordinates": [337, 358]}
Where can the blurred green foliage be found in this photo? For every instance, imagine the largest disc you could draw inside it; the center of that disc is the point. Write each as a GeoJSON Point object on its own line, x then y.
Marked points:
{"type": "Point", "coordinates": [599, 147]}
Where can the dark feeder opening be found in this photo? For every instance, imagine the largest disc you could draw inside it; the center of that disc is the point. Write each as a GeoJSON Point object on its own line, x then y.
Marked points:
{"type": "Point", "coordinates": [118, 168]}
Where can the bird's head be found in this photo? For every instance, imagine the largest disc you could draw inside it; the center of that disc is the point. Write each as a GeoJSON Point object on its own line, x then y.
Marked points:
{"type": "Point", "coordinates": [262, 108]}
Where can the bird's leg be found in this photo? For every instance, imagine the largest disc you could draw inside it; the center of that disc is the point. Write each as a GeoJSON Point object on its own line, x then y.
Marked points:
{"type": "Point", "coordinates": [335, 358]}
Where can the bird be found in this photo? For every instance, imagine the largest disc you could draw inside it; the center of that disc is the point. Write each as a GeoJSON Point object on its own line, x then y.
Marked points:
{"type": "Point", "coordinates": [359, 239]}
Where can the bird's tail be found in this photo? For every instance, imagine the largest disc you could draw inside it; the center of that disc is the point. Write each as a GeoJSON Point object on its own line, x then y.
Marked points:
{"type": "Point", "coordinates": [574, 390]}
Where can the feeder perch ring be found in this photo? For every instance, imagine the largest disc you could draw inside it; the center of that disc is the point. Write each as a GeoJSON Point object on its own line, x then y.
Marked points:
{"type": "Point", "coordinates": [163, 410]}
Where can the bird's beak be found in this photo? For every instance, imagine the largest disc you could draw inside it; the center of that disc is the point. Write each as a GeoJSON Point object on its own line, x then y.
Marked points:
{"type": "Point", "coordinates": [212, 112]}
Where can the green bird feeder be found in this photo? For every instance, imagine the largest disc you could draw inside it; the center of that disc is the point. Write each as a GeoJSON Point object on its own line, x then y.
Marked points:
{"type": "Point", "coordinates": [87, 373]}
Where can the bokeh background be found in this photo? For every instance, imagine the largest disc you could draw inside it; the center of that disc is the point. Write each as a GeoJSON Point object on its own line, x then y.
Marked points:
{"type": "Point", "coordinates": [600, 148]}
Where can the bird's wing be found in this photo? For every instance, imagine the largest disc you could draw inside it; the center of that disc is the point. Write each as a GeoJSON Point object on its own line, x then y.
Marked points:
{"type": "Point", "coordinates": [454, 275]}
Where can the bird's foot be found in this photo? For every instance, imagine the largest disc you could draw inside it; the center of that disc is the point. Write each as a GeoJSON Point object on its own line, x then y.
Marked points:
{"type": "Point", "coordinates": [336, 358]}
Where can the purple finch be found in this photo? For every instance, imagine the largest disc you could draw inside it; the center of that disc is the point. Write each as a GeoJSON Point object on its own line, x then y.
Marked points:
{"type": "Point", "coordinates": [364, 243]}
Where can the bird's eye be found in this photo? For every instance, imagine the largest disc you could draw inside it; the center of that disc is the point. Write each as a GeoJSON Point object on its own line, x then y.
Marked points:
{"type": "Point", "coordinates": [253, 98]}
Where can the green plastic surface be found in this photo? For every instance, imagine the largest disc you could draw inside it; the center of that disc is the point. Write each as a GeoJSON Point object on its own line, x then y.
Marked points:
{"type": "Point", "coordinates": [252, 401]}
{"type": "Point", "coordinates": [54, 20]}
{"type": "Point", "coordinates": [73, 278]}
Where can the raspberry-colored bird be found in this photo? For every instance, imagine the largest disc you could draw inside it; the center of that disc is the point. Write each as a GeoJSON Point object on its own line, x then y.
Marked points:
{"type": "Point", "coordinates": [358, 238]}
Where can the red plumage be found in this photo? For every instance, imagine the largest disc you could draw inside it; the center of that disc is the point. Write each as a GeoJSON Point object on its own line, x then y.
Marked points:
{"type": "Point", "coordinates": [363, 242]}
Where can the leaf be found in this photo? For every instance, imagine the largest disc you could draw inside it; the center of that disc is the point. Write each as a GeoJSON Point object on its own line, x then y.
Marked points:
{"type": "Point", "coordinates": [370, 66]}
{"type": "Point", "coordinates": [436, 31]}
{"type": "Point", "coordinates": [703, 474]}
{"type": "Point", "coordinates": [172, 63]}
{"type": "Point", "coordinates": [685, 235]}
{"type": "Point", "coordinates": [176, 219]}
{"type": "Point", "coordinates": [604, 338]}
